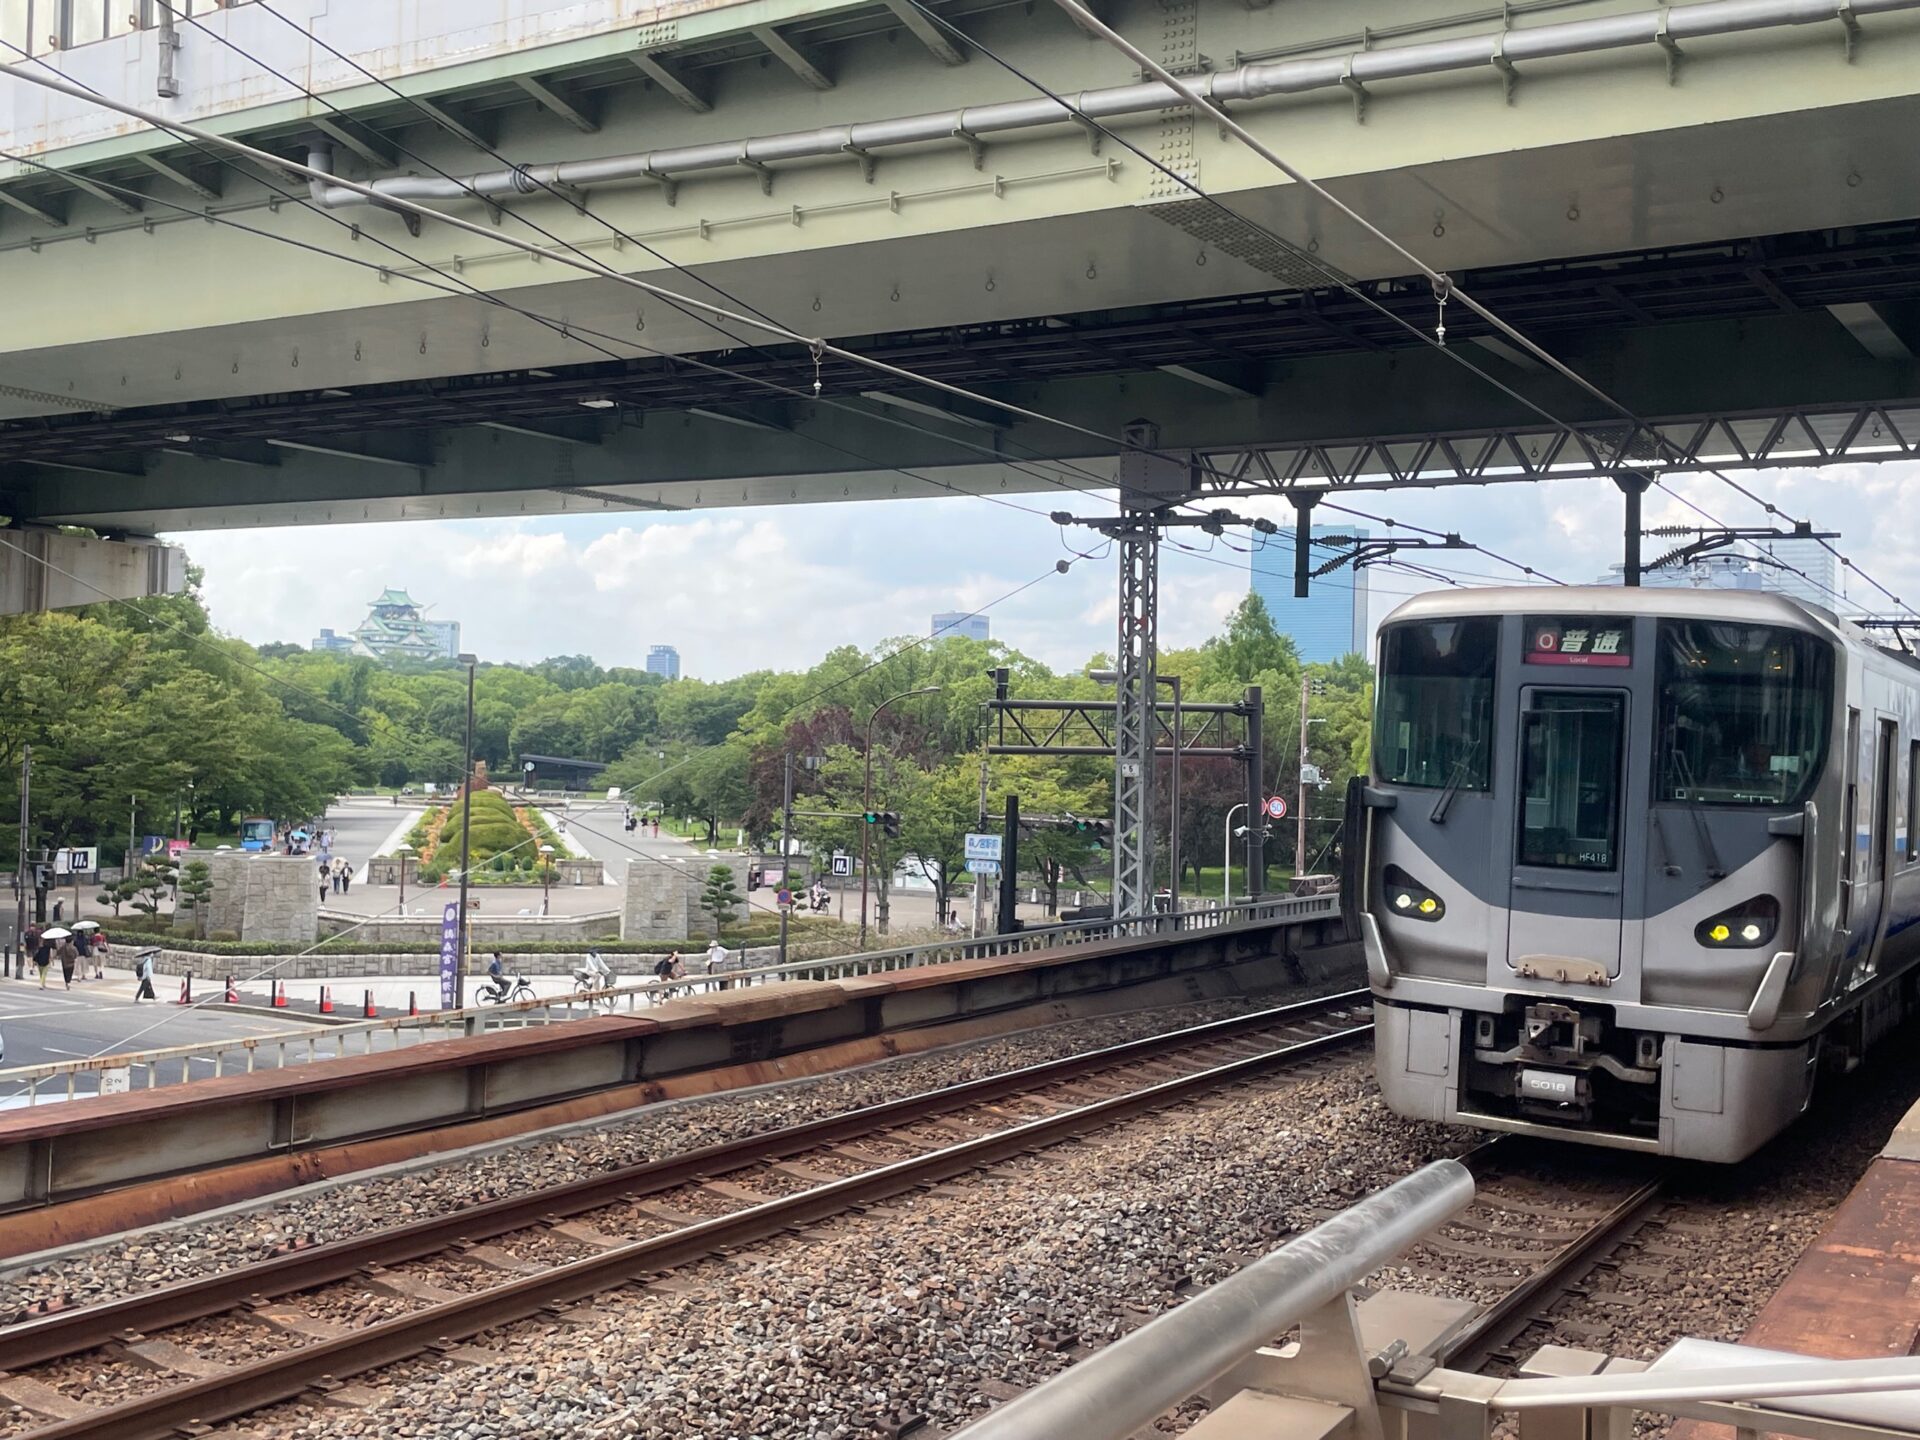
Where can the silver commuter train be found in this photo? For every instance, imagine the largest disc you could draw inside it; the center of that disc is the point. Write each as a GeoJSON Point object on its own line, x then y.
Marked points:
{"type": "Point", "coordinates": [1633, 865]}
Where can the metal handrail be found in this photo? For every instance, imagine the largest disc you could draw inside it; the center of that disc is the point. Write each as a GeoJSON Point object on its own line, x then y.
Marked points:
{"type": "Point", "coordinates": [1125, 1387]}
{"type": "Point", "coordinates": [304, 1045]}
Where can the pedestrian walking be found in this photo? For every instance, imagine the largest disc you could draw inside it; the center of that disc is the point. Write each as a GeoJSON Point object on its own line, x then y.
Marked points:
{"type": "Point", "coordinates": [346, 876]}
{"type": "Point", "coordinates": [717, 962]}
{"type": "Point", "coordinates": [58, 906]}
{"type": "Point", "coordinates": [143, 967]}
{"type": "Point", "coordinates": [69, 956]}
{"type": "Point", "coordinates": [339, 871]}
{"type": "Point", "coordinates": [325, 885]}
{"type": "Point", "coordinates": [42, 954]}
{"type": "Point", "coordinates": [100, 951]}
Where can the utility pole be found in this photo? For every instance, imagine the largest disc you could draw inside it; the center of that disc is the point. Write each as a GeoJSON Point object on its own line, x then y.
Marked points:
{"type": "Point", "coordinates": [1173, 800]}
{"type": "Point", "coordinates": [20, 867]}
{"type": "Point", "coordinates": [466, 827]}
{"type": "Point", "coordinates": [1300, 798]}
{"type": "Point", "coordinates": [786, 851]}
{"type": "Point", "coordinates": [999, 674]}
{"type": "Point", "coordinates": [133, 811]}
{"type": "Point", "coordinates": [1632, 487]}
{"type": "Point", "coordinates": [1009, 866]}
{"type": "Point", "coordinates": [1256, 796]}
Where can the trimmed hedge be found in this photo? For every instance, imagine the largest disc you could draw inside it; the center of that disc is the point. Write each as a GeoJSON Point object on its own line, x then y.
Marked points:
{"type": "Point", "coordinates": [359, 943]}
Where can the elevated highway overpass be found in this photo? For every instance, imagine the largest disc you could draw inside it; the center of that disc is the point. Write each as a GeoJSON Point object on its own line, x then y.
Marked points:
{"type": "Point", "coordinates": [1707, 209]}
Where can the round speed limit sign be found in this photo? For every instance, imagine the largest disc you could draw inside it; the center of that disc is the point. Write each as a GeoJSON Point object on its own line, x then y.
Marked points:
{"type": "Point", "coordinates": [1276, 807]}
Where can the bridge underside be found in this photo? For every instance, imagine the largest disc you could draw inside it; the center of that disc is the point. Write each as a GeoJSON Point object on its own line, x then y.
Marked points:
{"type": "Point", "coordinates": [1775, 350]}
{"type": "Point", "coordinates": [1725, 239]}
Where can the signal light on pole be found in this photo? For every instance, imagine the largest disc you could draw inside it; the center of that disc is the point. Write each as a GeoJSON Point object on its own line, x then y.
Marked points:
{"type": "Point", "coordinates": [890, 822]}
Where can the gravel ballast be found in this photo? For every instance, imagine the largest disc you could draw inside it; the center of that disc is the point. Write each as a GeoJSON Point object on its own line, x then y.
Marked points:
{"type": "Point", "coordinates": [156, 1257]}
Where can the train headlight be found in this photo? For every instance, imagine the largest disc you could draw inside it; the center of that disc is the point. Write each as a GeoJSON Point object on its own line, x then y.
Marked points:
{"type": "Point", "coordinates": [1410, 898]}
{"type": "Point", "coordinates": [1746, 926]}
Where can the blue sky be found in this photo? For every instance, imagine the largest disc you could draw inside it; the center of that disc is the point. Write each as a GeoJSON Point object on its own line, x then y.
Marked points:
{"type": "Point", "coordinates": [779, 586]}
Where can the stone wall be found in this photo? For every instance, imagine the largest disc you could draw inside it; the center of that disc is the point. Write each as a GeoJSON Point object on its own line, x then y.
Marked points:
{"type": "Point", "coordinates": [385, 870]}
{"type": "Point", "coordinates": [280, 898]}
{"type": "Point", "coordinates": [630, 969]}
{"type": "Point", "coordinates": [659, 902]}
{"type": "Point", "coordinates": [225, 904]}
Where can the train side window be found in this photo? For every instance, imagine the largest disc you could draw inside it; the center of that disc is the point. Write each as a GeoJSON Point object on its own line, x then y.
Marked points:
{"type": "Point", "coordinates": [1913, 802]}
{"type": "Point", "coordinates": [1849, 872]}
{"type": "Point", "coordinates": [1886, 763]}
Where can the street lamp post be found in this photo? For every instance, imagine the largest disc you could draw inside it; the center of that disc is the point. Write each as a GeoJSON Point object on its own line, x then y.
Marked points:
{"type": "Point", "coordinates": [866, 803]}
{"type": "Point", "coordinates": [546, 884]}
{"type": "Point", "coordinates": [466, 816]}
{"type": "Point", "coordinates": [1226, 857]}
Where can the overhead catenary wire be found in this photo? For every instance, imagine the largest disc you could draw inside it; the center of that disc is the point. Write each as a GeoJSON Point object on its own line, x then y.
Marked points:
{"type": "Point", "coordinates": [587, 335]}
{"type": "Point", "coordinates": [1445, 288]}
{"type": "Point", "coordinates": [1444, 285]}
{"type": "Point", "coordinates": [583, 208]}
{"type": "Point", "coordinates": [65, 85]}
{"type": "Point", "coordinates": [672, 299]}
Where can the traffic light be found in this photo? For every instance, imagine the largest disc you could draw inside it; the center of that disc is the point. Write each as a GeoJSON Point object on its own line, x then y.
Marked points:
{"type": "Point", "coordinates": [871, 817]}
{"type": "Point", "coordinates": [1095, 830]}
{"type": "Point", "coordinates": [890, 822]}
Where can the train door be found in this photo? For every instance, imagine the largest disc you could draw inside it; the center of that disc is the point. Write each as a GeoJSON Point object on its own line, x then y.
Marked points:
{"type": "Point", "coordinates": [1566, 898]}
{"type": "Point", "coordinates": [1873, 902]}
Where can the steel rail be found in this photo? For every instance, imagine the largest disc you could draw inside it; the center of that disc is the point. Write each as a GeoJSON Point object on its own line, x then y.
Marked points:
{"type": "Point", "coordinates": [1506, 1317]}
{"type": "Point", "coordinates": [60, 1333]}
{"type": "Point", "coordinates": [162, 1415]}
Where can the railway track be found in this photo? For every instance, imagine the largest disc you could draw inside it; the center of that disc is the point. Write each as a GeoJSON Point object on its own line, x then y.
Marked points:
{"type": "Point", "coordinates": [1543, 1219]}
{"type": "Point", "coordinates": [164, 1357]}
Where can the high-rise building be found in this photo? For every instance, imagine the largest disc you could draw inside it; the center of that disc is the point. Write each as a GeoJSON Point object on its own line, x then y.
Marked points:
{"type": "Point", "coordinates": [960, 622]}
{"type": "Point", "coordinates": [1332, 621]}
{"type": "Point", "coordinates": [326, 642]}
{"type": "Point", "coordinates": [395, 629]}
{"type": "Point", "coordinates": [664, 660]}
{"type": "Point", "coordinates": [1814, 584]}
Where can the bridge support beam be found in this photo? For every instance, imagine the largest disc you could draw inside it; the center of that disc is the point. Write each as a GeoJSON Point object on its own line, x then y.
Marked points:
{"type": "Point", "coordinates": [47, 570]}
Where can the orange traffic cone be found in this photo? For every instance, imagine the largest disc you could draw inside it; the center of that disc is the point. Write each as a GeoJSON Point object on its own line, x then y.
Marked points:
{"type": "Point", "coordinates": [279, 994]}
{"type": "Point", "coordinates": [186, 991]}
{"type": "Point", "coordinates": [326, 999]}
{"type": "Point", "coordinates": [233, 991]}
{"type": "Point", "coordinates": [413, 1003]}
{"type": "Point", "coordinates": [370, 1012]}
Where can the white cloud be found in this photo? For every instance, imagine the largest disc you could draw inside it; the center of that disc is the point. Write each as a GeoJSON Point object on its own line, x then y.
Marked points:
{"type": "Point", "coordinates": [738, 590]}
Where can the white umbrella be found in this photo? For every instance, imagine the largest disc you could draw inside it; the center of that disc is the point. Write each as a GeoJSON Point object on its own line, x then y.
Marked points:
{"type": "Point", "coordinates": [54, 932]}
{"type": "Point", "coordinates": [86, 924]}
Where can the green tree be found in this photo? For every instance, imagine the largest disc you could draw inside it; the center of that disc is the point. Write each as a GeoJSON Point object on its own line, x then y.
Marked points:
{"type": "Point", "coordinates": [720, 898]}
{"type": "Point", "coordinates": [196, 891]}
{"type": "Point", "coordinates": [153, 882]}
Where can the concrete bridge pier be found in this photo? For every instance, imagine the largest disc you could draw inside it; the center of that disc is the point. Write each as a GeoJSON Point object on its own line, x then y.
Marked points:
{"type": "Point", "coordinates": [47, 570]}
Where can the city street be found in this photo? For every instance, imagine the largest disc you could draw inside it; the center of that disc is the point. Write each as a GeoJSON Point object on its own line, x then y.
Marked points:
{"type": "Point", "coordinates": [99, 1017]}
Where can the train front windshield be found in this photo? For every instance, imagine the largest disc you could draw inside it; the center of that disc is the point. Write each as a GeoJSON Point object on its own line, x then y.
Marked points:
{"type": "Point", "coordinates": [1435, 712]}
{"type": "Point", "coordinates": [1743, 712]}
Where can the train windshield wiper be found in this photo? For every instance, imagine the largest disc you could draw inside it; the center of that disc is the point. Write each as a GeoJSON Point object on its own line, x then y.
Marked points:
{"type": "Point", "coordinates": [1702, 832]}
{"type": "Point", "coordinates": [1440, 806]}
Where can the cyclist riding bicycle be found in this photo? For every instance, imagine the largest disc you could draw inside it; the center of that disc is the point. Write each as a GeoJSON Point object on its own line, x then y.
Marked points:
{"type": "Point", "coordinates": [593, 973]}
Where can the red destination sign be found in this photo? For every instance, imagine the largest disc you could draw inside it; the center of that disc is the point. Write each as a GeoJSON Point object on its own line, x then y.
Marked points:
{"type": "Point", "coordinates": [1607, 643]}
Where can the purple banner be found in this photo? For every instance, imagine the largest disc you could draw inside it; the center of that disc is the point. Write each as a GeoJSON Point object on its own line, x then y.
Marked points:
{"type": "Point", "coordinates": [450, 957]}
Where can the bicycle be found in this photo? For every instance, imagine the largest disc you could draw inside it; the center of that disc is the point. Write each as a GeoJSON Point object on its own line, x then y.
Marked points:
{"type": "Point", "coordinates": [506, 991]}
